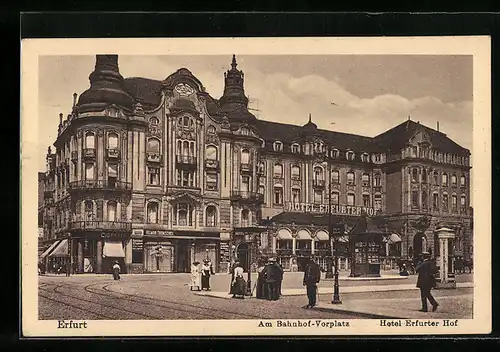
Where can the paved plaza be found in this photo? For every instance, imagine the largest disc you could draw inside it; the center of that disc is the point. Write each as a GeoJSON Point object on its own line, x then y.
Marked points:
{"type": "Point", "coordinates": [167, 296]}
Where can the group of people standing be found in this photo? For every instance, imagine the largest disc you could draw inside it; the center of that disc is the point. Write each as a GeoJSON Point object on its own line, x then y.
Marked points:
{"type": "Point", "coordinates": [200, 276]}
{"type": "Point", "coordinates": [269, 280]}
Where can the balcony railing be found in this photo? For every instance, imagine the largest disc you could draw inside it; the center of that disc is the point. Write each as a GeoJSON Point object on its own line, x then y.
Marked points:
{"type": "Point", "coordinates": [319, 183]}
{"type": "Point", "coordinates": [185, 160]}
{"type": "Point", "coordinates": [303, 251]}
{"type": "Point", "coordinates": [154, 158]}
{"type": "Point", "coordinates": [74, 155]}
{"type": "Point", "coordinates": [246, 167]}
{"type": "Point", "coordinates": [89, 153]}
{"type": "Point", "coordinates": [100, 184]}
{"type": "Point", "coordinates": [211, 164]}
{"type": "Point", "coordinates": [95, 225]}
{"type": "Point", "coordinates": [112, 153]}
{"type": "Point", "coordinates": [247, 195]}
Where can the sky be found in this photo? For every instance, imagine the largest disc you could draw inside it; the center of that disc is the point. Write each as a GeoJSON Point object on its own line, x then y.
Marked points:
{"type": "Point", "coordinates": [361, 94]}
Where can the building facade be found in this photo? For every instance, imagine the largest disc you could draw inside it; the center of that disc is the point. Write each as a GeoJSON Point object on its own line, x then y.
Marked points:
{"type": "Point", "coordinates": [158, 174]}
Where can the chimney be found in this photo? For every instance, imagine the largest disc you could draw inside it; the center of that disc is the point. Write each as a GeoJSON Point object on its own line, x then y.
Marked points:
{"type": "Point", "coordinates": [74, 99]}
{"type": "Point", "coordinates": [438, 126]}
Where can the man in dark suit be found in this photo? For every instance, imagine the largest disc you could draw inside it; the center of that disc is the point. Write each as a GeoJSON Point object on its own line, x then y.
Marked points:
{"type": "Point", "coordinates": [426, 281]}
{"type": "Point", "coordinates": [312, 275]}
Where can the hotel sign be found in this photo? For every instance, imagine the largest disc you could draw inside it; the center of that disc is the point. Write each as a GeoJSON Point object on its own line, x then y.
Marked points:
{"type": "Point", "coordinates": [324, 209]}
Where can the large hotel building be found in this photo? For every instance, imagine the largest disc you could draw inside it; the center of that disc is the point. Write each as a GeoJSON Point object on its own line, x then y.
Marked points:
{"type": "Point", "coordinates": [158, 174]}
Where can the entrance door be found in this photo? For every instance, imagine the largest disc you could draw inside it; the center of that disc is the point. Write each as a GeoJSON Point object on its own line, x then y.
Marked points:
{"type": "Point", "coordinates": [242, 254]}
{"type": "Point", "coordinates": [182, 256]}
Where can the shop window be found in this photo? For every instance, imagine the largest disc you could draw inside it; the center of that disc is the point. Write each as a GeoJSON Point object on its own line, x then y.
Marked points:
{"type": "Point", "coordinates": [112, 141]}
{"type": "Point", "coordinates": [296, 195]}
{"type": "Point", "coordinates": [211, 153]}
{"type": "Point", "coordinates": [153, 176]}
{"type": "Point", "coordinates": [295, 172]}
{"type": "Point", "coordinates": [335, 176]}
{"type": "Point", "coordinates": [350, 178]}
{"type": "Point", "coordinates": [212, 181]}
{"type": "Point", "coordinates": [137, 253]}
{"type": "Point", "coordinates": [89, 140]}
{"type": "Point", "coordinates": [183, 215]}
{"type": "Point", "coordinates": [211, 216]}
{"type": "Point", "coordinates": [278, 170]}
{"type": "Point", "coordinates": [350, 199]}
{"type": "Point", "coordinates": [365, 179]}
{"type": "Point", "coordinates": [111, 207]}
{"type": "Point", "coordinates": [152, 211]}
{"type": "Point", "coordinates": [366, 200]}
{"type": "Point", "coordinates": [278, 195]}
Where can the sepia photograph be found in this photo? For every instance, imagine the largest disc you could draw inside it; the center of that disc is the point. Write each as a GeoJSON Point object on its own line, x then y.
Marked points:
{"type": "Point", "coordinates": [269, 186]}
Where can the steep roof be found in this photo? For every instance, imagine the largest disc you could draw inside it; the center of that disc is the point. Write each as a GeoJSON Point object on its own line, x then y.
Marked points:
{"type": "Point", "coordinates": [144, 90]}
{"type": "Point", "coordinates": [396, 138]}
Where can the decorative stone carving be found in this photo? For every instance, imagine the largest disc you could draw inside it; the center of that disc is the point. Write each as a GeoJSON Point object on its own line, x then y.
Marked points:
{"type": "Point", "coordinates": [184, 89]}
{"type": "Point", "coordinates": [138, 110]}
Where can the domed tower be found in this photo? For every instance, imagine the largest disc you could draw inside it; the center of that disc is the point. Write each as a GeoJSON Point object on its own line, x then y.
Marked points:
{"type": "Point", "coordinates": [234, 102]}
{"type": "Point", "coordinates": [106, 87]}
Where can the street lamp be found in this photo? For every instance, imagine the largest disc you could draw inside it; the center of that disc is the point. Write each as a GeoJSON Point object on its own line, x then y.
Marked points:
{"type": "Point", "coordinates": [336, 294]}
{"type": "Point", "coordinates": [248, 240]}
{"type": "Point", "coordinates": [206, 251]}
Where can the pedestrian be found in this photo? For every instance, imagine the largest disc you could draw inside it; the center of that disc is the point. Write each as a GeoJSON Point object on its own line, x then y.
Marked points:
{"type": "Point", "coordinates": [205, 275]}
{"type": "Point", "coordinates": [261, 285]}
{"type": "Point", "coordinates": [280, 272]}
{"type": "Point", "coordinates": [403, 271]}
{"type": "Point", "coordinates": [68, 269]}
{"type": "Point", "coordinates": [426, 281]}
{"type": "Point", "coordinates": [195, 276]}
{"type": "Point", "coordinates": [116, 270]}
{"type": "Point", "coordinates": [270, 276]}
{"type": "Point", "coordinates": [238, 285]}
{"type": "Point", "coordinates": [312, 275]}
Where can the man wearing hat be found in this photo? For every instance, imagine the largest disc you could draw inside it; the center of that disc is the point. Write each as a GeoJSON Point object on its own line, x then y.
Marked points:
{"type": "Point", "coordinates": [312, 275]}
{"type": "Point", "coordinates": [426, 281]}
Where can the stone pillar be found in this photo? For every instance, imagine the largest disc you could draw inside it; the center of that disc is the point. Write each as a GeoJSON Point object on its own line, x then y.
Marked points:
{"type": "Point", "coordinates": [294, 245]}
{"type": "Point", "coordinates": [80, 257]}
{"type": "Point", "coordinates": [387, 249]}
{"type": "Point", "coordinates": [128, 254]}
{"type": "Point", "coordinates": [446, 279]}
{"type": "Point", "coordinates": [312, 246]}
{"type": "Point", "coordinates": [99, 256]}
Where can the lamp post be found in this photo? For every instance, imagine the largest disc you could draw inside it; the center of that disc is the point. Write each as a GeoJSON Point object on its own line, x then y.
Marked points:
{"type": "Point", "coordinates": [329, 269]}
{"type": "Point", "coordinates": [248, 240]}
{"type": "Point", "coordinates": [206, 251]}
{"type": "Point", "coordinates": [336, 293]}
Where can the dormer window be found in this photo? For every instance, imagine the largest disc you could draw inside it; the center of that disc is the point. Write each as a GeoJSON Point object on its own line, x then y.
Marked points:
{"type": "Point", "coordinates": [295, 148]}
{"type": "Point", "coordinates": [334, 153]}
{"type": "Point", "coordinates": [278, 146]}
{"type": "Point", "coordinates": [211, 129]}
{"type": "Point", "coordinates": [377, 158]}
{"type": "Point", "coordinates": [349, 155]}
{"type": "Point", "coordinates": [154, 121]}
{"type": "Point", "coordinates": [364, 157]}
{"type": "Point", "coordinates": [245, 131]}
{"type": "Point", "coordinates": [185, 122]}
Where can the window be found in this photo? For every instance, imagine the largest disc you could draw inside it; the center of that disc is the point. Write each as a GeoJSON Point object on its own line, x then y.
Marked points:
{"type": "Point", "coordinates": [211, 152]}
{"type": "Point", "coordinates": [262, 168]}
{"type": "Point", "coordinates": [245, 156]}
{"type": "Point", "coordinates": [245, 218]}
{"type": "Point", "coordinates": [212, 182]}
{"type": "Point", "coordinates": [245, 131]}
{"type": "Point", "coordinates": [152, 211]}
{"type": "Point", "coordinates": [111, 211]}
{"type": "Point", "coordinates": [154, 121]}
{"type": "Point", "coordinates": [377, 200]}
{"type": "Point", "coordinates": [377, 158]}
{"type": "Point", "coordinates": [424, 200]}
{"type": "Point", "coordinates": [245, 183]}
{"type": "Point", "coordinates": [453, 203]}
{"type": "Point", "coordinates": [185, 121]}
{"type": "Point", "coordinates": [295, 148]}
{"type": "Point", "coordinates": [350, 199]}
{"type": "Point", "coordinates": [278, 195]}
{"type": "Point", "coordinates": [318, 197]}
{"type": "Point", "coordinates": [365, 157]}
{"type": "Point", "coordinates": [435, 201]}
{"type": "Point", "coordinates": [424, 176]}
{"type": "Point", "coordinates": [335, 176]}
{"type": "Point", "coordinates": [335, 198]}
{"type": "Point", "coordinates": [277, 146]}
{"type": "Point", "coordinates": [414, 199]}
{"type": "Point", "coordinates": [89, 140]}
{"type": "Point", "coordinates": [211, 216]}
{"type": "Point", "coordinates": [445, 202]}
{"type": "Point", "coordinates": [137, 251]}
{"type": "Point", "coordinates": [444, 179]}
{"type": "Point", "coordinates": [278, 170]}
{"type": "Point", "coordinates": [262, 190]}
{"type": "Point", "coordinates": [349, 155]}
{"type": "Point", "coordinates": [153, 176]}
{"type": "Point", "coordinates": [365, 179]}
{"type": "Point", "coordinates": [295, 171]}
{"type": "Point", "coordinates": [334, 153]}
{"type": "Point", "coordinates": [366, 200]}
{"type": "Point", "coordinates": [112, 174]}
{"type": "Point", "coordinates": [462, 180]}
{"type": "Point", "coordinates": [112, 141]}
{"type": "Point", "coordinates": [183, 215]}
{"type": "Point", "coordinates": [185, 178]}
{"type": "Point", "coordinates": [462, 203]}
{"type": "Point", "coordinates": [296, 195]}
{"type": "Point", "coordinates": [211, 129]}
{"type": "Point", "coordinates": [350, 178]}
{"type": "Point", "coordinates": [89, 171]}
{"type": "Point", "coordinates": [453, 180]}
{"type": "Point", "coordinates": [318, 173]}
{"type": "Point", "coordinates": [153, 146]}
{"type": "Point", "coordinates": [377, 179]}
{"type": "Point", "coordinates": [89, 210]}
{"type": "Point", "coordinates": [414, 175]}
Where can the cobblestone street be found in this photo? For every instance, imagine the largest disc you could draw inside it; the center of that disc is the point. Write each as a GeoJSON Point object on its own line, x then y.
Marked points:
{"type": "Point", "coordinates": [158, 296]}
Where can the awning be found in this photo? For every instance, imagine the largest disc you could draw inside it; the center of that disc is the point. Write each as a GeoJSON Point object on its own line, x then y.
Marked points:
{"type": "Point", "coordinates": [284, 234]}
{"type": "Point", "coordinates": [52, 246]}
{"type": "Point", "coordinates": [113, 250]}
{"type": "Point", "coordinates": [303, 235]}
{"type": "Point", "coordinates": [61, 249]}
{"type": "Point", "coordinates": [322, 236]}
{"type": "Point", "coordinates": [394, 238]}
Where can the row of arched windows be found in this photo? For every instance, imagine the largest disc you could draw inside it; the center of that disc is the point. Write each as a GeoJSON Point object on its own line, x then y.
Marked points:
{"type": "Point", "coordinates": [90, 212]}
{"type": "Point", "coordinates": [319, 148]}
{"type": "Point", "coordinates": [112, 140]}
{"type": "Point", "coordinates": [417, 176]}
{"type": "Point", "coordinates": [182, 214]}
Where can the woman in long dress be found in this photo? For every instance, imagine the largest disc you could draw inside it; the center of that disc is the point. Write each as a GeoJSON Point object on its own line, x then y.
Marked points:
{"type": "Point", "coordinates": [116, 271]}
{"type": "Point", "coordinates": [205, 275]}
{"type": "Point", "coordinates": [195, 276]}
{"type": "Point", "coordinates": [239, 284]}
